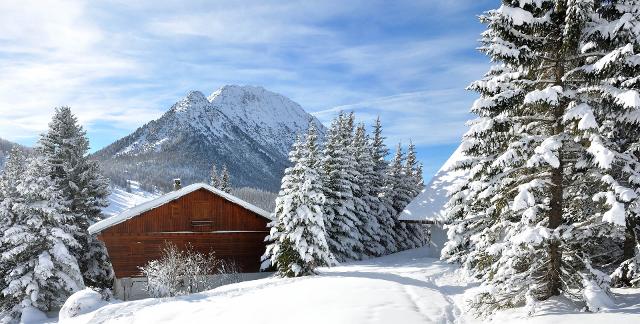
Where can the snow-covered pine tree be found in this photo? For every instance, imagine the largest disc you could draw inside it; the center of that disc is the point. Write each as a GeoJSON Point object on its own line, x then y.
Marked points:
{"type": "Point", "coordinates": [413, 171]}
{"type": "Point", "coordinates": [339, 209]}
{"type": "Point", "coordinates": [225, 184]}
{"type": "Point", "coordinates": [420, 176]}
{"type": "Point", "coordinates": [38, 246]}
{"type": "Point", "coordinates": [383, 210]}
{"type": "Point", "coordinates": [612, 43]}
{"type": "Point", "coordinates": [214, 178]}
{"type": "Point", "coordinates": [299, 244]}
{"type": "Point", "coordinates": [13, 169]}
{"type": "Point", "coordinates": [369, 228]}
{"type": "Point", "coordinates": [418, 233]}
{"type": "Point", "coordinates": [400, 189]}
{"type": "Point", "coordinates": [84, 190]}
{"type": "Point", "coordinates": [530, 220]}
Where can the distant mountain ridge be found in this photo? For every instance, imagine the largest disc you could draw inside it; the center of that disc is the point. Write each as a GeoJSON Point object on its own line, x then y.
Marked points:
{"type": "Point", "coordinates": [249, 129]}
{"type": "Point", "coordinates": [5, 149]}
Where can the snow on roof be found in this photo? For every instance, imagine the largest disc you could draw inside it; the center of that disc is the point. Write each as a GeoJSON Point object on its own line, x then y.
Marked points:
{"type": "Point", "coordinates": [144, 207]}
{"type": "Point", "coordinates": [429, 204]}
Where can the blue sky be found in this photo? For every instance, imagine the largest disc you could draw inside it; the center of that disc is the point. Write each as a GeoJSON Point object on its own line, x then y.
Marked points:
{"type": "Point", "coordinates": [119, 64]}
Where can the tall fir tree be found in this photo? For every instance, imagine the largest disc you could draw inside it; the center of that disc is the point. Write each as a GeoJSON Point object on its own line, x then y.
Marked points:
{"type": "Point", "coordinates": [413, 170]}
{"type": "Point", "coordinates": [400, 188]}
{"type": "Point", "coordinates": [544, 197]}
{"type": "Point", "coordinates": [419, 177]}
{"type": "Point", "coordinates": [43, 271]}
{"type": "Point", "coordinates": [214, 178]}
{"type": "Point", "coordinates": [418, 233]}
{"type": "Point", "coordinates": [383, 210]}
{"type": "Point", "coordinates": [298, 235]}
{"type": "Point", "coordinates": [14, 169]}
{"type": "Point", "coordinates": [369, 227]}
{"type": "Point", "coordinates": [225, 181]}
{"type": "Point", "coordinates": [84, 191]}
{"type": "Point", "coordinates": [612, 43]}
{"type": "Point", "coordinates": [338, 176]}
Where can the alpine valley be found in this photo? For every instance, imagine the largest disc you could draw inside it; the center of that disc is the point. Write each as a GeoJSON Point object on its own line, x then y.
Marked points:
{"type": "Point", "coordinates": [248, 129]}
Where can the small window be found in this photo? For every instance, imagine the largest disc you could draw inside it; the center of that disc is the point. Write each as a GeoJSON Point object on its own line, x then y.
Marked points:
{"type": "Point", "coordinates": [201, 223]}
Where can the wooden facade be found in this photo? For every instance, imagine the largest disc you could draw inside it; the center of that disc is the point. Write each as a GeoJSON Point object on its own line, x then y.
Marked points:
{"type": "Point", "coordinates": [200, 218]}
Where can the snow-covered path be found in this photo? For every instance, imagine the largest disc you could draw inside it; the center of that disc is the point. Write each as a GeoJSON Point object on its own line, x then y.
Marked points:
{"type": "Point", "coordinates": [402, 288]}
{"type": "Point", "coordinates": [406, 287]}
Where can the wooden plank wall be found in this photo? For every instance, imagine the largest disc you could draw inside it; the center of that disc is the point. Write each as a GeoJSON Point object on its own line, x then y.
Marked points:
{"type": "Point", "coordinates": [202, 219]}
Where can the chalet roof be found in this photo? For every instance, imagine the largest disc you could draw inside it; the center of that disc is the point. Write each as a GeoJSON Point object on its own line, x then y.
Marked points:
{"type": "Point", "coordinates": [429, 205]}
{"type": "Point", "coordinates": [149, 205]}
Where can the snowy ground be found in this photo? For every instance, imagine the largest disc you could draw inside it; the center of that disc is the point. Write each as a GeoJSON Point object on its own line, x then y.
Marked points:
{"type": "Point", "coordinates": [406, 287]}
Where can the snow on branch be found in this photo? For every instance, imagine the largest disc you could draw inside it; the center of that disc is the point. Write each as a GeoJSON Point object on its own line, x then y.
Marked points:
{"type": "Point", "coordinates": [549, 95]}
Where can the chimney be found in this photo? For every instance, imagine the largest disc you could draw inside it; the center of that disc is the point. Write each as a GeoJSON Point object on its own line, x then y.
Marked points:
{"type": "Point", "coordinates": [177, 184]}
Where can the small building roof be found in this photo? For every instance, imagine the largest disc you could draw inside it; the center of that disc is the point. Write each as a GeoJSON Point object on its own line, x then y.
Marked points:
{"type": "Point", "coordinates": [428, 206]}
{"type": "Point", "coordinates": [171, 196]}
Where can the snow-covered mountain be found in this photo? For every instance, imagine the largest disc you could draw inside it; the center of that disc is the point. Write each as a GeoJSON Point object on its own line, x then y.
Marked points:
{"type": "Point", "coordinates": [246, 128]}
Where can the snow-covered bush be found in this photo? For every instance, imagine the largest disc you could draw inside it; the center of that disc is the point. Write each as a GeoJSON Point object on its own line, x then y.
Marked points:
{"type": "Point", "coordinates": [84, 301]}
{"type": "Point", "coordinates": [32, 315]}
{"type": "Point", "coordinates": [181, 272]}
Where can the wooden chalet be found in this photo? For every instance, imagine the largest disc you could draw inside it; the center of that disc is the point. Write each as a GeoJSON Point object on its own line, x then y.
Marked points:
{"type": "Point", "coordinates": [200, 215]}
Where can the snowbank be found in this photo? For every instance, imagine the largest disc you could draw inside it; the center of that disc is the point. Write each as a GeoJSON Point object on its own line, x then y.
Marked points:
{"type": "Point", "coordinates": [32, 315]}
{"type": "Point", "coordinates": [81, 302]}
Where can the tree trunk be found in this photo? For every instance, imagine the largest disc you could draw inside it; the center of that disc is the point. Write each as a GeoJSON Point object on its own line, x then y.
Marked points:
{"type": "Point", "coordinates": [629, 239]}
{"type": "Point", "coordinates": [556, 204]}
{"type": "Point", "coordinates": [555, 219]}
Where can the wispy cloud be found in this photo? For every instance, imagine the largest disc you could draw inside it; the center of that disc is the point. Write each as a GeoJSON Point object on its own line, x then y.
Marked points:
{"type": "Point", "coordinates": [417, 116]}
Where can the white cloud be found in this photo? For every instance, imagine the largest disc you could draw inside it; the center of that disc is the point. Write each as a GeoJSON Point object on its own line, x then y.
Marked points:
{"type": "Point", "coordinates": [416, 116]}
{"type": "Point", "coordinates": [55, 55]}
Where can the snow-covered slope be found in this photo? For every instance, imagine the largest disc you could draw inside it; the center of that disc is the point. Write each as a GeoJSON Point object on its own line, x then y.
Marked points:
{"type": "Point", "coordinates": [405, 287]}
{"type": "Point", "coordinates": [269, 117]}
{"type": "Point", "coordinates": [246, 128]}
{"type": "Point", "coordinates": [429, 204]}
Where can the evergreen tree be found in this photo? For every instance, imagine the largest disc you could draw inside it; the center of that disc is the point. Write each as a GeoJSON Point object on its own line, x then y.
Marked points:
{"type": "Point", "coordinates": [214, 179]}
{"type": "Point", "coordinates": [419, 177]}
{"type": "Point", "coordinates": [83, 190]}
{"type": "Point", "coordinates": [38, 246]}
{"type": "Point", "coordinates": [299, 244]}
{"type": "Point", "coordinates": [383, 210]}
{"type": "Point", "coordinates": [14, 168]}
{"type": "Point", "coordinates": [224, 180]}
{"type": "Point", "coordinates": [400, 190]}
{"type": "Point", "coordinates": [545, 195]}
{"type": "Point", "coordinates": [338, 182]}
{"type": "Point", "coordinates": [369, 228]}
{"type": "Point", "coordinates": [413, 171]}
{"type": "Point", "coordinates": [612, 43]}
{"type": "Point", "coordinates": [413, 178]}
